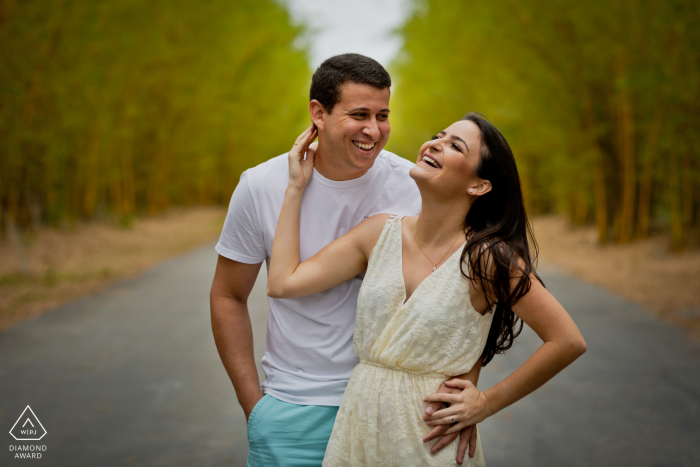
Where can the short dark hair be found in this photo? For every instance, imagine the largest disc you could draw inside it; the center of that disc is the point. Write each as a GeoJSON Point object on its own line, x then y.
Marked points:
{"type": "Point", "coordinates": [338, 70]}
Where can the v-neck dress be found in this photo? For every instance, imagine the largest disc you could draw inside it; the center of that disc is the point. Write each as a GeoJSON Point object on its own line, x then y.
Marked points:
{"type": "Point", "coordinates": [406, 351]}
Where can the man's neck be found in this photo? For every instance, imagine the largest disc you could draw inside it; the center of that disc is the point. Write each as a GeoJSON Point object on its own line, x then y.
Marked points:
{"type": "Point", "coordinates": [323, 163]}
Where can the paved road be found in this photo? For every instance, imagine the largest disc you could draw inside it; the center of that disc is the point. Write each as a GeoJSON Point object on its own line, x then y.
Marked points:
{"type": "Point", "coordinates": [131, 377]}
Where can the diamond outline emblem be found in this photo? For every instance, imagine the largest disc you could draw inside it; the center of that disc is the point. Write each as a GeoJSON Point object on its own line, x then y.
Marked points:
{"type": "Point", "coordinates": [35, 418]}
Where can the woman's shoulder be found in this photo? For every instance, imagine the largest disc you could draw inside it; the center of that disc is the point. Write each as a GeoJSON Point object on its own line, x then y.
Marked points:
{"type": "Point", "coordinates": [377, 222]}
{"type": "Point", "coordinates": [370, 230]}
{"type": "Point", "coordinates": [380, 221]}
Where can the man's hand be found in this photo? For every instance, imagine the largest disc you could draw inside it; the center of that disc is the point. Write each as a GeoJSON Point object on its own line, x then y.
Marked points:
{"type": "Point", "coordinates": [250, 405]}
{"type": "Point", "coordinates": [468, 407]}
{"type": "Point", "coordinates": [467, 435]}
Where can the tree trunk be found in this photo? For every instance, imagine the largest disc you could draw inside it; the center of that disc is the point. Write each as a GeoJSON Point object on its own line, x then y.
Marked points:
{"type": "Point", "coordinates": [625, 124]}
{"type": "Point", "coordinates": [677, 237]}
{"type": "Point", "coordinates": [599, 189]}
{"type": "Point", "coordinates": [644, 204]}
{"type": "Point", "coordinates": [91, 175]}
{"type": "Point", "coordinates": [687, 190]}
{"type": "Point", "coordinates": [652, 144]}
{"type": "Point", "coordinates": [6, 7]}
{"type": "Point", "coordinates": [129, 192]}
{"type": "Point", "coordinates": [580, 211]}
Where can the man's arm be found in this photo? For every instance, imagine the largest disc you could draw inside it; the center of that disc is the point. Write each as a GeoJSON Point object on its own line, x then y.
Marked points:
{"type": "Point", "coordinates": [233, 332]}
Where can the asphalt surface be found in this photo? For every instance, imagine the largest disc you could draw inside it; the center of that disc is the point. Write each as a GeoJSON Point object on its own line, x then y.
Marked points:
{"type": "Point", "coordinates": [130, 377]}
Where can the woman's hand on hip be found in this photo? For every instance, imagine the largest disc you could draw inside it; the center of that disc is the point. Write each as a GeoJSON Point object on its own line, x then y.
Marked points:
{"type": "Point", "coordinates": [300, 168]}
{"type": "Point", "coordinates": [468, 407]}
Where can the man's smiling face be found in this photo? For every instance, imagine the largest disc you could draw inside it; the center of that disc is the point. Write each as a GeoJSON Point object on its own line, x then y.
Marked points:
{"type": "Point", "coordinates": [357, 128]}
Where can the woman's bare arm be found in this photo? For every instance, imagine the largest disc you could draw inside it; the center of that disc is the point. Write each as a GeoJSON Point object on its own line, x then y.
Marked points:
{"type": "Point", "coordinates": [338, 262]}
{"type": "Point", "coordinates": [562, 344]}
{"type": "Point", "coordinates": [343, 259]}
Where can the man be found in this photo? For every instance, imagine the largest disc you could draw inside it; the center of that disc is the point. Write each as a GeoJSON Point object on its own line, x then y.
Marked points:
{"type": "Point", "coordinates": [308, 352]}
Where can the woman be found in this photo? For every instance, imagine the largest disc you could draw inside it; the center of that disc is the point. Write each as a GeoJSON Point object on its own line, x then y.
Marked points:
{"type": "Point", "coordinates": [421, 321]}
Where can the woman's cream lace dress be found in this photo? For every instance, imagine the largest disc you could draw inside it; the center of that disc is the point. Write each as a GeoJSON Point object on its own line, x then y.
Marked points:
{"type": "Point", "coordinates": [406, 350]}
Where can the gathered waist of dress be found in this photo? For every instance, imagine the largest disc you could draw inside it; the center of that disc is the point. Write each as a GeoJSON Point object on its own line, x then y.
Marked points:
{"type": "Point", "coordinates": [405, 370]}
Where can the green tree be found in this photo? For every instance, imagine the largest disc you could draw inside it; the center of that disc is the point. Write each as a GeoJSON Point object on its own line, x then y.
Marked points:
{"type": "Point", "coordinates": [596, 98]}
{"type": "Point", "coordinates": [131, 106]}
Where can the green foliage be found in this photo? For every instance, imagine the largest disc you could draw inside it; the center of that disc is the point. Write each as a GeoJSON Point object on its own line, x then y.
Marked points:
{"type": "Point", "coordinates": [131, 106]}
{"type": "Point", "coordinates": [597, 99]}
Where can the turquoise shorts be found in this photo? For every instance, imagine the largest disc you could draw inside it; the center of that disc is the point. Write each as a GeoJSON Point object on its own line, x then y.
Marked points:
{"type": "Point", "coordinates": [285, 435]}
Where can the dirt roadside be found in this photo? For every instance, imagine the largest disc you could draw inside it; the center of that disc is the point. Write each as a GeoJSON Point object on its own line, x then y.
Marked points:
{"type": "Point", "coordinates": [69, 263]}
{"type": "Point", "coordinates": [65, 264]}
{"type": "Point", "coordinates": [647, 272]}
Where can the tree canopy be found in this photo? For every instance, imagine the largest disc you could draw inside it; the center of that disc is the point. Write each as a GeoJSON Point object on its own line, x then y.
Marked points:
{"type": "Point", "coordinates": [131, 106]}
{"type": "Point", "coordinates": [598, 100]}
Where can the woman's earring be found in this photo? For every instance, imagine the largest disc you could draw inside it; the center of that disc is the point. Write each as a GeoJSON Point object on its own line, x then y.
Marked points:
{"type": "Point", "coordinates": [471, 190]}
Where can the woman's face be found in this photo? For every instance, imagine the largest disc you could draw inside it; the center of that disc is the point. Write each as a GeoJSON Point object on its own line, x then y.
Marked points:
{"type": "Point", "coordinates": [447, 164]}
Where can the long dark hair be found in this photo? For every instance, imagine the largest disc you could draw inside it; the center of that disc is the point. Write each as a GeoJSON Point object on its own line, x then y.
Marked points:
{"type": "Point", "coordinates": [498, 238]}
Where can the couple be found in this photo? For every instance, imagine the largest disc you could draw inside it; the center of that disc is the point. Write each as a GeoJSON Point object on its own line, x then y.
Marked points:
{"type": "Point", "coordinates": [439, 298]}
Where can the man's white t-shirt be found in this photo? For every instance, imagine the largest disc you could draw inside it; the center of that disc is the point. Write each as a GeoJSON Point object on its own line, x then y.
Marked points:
{"type": "Point", "coordinates": [308, 352]}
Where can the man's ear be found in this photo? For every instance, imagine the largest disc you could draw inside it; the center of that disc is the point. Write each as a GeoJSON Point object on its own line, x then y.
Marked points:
{"type": "Point", "coordinates": [318, 114]}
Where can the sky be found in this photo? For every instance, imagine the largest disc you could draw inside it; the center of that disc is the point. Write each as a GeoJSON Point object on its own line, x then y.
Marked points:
{"type": "Point", "coordinates": [359, 26]}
